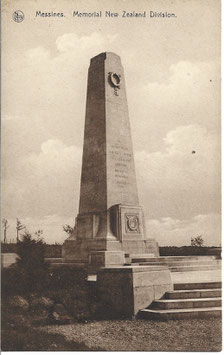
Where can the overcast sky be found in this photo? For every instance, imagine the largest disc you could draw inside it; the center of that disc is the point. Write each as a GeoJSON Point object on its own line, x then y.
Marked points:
{"type": "Point", "coordinates": [172, 72]}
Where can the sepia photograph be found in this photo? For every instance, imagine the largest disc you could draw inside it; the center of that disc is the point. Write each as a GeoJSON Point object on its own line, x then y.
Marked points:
{"type": "Point", "coordinates": [111, 175]}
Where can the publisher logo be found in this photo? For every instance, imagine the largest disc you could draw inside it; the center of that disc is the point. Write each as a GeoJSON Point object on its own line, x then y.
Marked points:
{"type": "Point", "coordinates": [18, 16]}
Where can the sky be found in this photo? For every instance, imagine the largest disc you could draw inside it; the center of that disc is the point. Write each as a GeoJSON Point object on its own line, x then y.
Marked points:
{"type": "Point", "coordinates": [172, 74]}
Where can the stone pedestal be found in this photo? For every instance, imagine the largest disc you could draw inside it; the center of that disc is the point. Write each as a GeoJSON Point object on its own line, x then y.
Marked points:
{"type": "Point", "coordinates": [99, 259]}
{"type": "Point", "coordinates": [126, 290]}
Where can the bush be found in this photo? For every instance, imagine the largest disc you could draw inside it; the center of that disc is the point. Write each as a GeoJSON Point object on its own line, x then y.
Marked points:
{"type": "Point", "coordinates": [13, 281]}
{"type": "Point", "coordinates": [9, 247]}
{"type": "Point", "coordinates": [66, 277]}
{"type": "Point", "coordinates": [25, 278]}
{"type": "Point", "coordinates": [52, 250]}
{"type": "Point", "coordinates": [30, 272]}
{"type": "Point", "coordinates": [31, 253]}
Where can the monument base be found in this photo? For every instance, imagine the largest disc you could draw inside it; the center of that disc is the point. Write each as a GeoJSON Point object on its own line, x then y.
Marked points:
{"type": "Point", "coordinates": [99, 259]}
{"type": "Point", "coordinates": [139, 247]}
{"type": "Point", "coordinates": [93, 254]}
{"type": "Point", "coordinates": [152, 247]}
{"type": "Point", "coordinates": [127, 290]}
{"type": "Point", "coordinates": [102, 238]}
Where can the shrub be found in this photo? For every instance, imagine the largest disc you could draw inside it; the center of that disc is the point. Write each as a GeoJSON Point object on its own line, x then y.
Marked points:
{"type": "Point", "coordinates": [30, 273]}
{"type": "Point", "coordinates": [66, 277]}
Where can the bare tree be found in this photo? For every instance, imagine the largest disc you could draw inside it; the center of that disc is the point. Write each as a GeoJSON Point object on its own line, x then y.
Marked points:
{"type": "Point", "coordinates": [19, 227]}
{"type": "Point", "coordinates": [5, 227]}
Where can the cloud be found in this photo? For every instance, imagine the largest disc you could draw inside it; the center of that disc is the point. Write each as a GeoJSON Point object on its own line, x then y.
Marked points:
{"type": "Point", "coordinates": [44, 183]}
{"type": "Point", "coordinates": [186, 84]}
{"type": "Point", "coordinates": [184, 178]}
{"type": "Point", "coordinates": [188, 93]}
{"type": "Point", "coordinates": [94, 42]}
{"type": "Point", "coordinates": [169, 231]}
{"type": "Point", "coordinates": [49, 86]}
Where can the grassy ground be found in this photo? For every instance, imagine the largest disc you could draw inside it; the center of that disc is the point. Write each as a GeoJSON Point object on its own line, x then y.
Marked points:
{"type": "Point", "coordinates": [123, 335]}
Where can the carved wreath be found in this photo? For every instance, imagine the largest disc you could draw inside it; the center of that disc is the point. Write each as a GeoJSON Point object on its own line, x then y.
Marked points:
{"type": "Point", "coordinates": [115, 80]}
{"type": "Point", "coordinates": [132, 223]}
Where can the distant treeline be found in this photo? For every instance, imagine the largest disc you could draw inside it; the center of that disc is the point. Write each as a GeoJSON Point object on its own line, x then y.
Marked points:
{"type": "Point", "coordinates": [55, 250]}
{"type": "Point", "coordinates": [50, 250]}
{"type": "Point", "coordinates": [189, 250]}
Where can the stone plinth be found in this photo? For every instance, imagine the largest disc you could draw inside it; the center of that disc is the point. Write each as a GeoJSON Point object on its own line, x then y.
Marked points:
{"type": "Point", "coordinates": [128, 289]}
{"type": "Point", "coordinates": [8, 259]}
{"type": "Point", "coordinates": [110, 221]}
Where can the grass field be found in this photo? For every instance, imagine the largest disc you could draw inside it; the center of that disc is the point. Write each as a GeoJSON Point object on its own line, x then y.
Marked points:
{"type": "Point", "coordinates": [123, 335]}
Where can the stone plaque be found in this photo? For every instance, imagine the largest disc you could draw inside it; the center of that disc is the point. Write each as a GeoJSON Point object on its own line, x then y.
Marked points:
{"type": "Point", "coordinates": [132, 223]}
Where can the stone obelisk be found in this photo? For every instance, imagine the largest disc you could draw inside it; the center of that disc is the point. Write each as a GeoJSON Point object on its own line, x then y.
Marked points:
{"type": "Point", "coordinates": [110, 222]}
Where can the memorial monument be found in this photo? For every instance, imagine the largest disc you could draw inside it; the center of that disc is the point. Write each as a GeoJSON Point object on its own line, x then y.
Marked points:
{"type": "Point", "coordinates": [110, 224]}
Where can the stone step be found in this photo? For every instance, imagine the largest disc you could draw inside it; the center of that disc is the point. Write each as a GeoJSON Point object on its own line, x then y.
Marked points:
{"type": "Point", "coordinates": [173, 258]}
{"type": "Point", "coordinates": [195, 268]}
{"type": "Point", "coordinates": [174, 263]}
{"type": "Point", "coordinates": [197, 285]}
{"type": "Point", "coordinates": [200, 293]}
{"type": "Point", "coordinates": [71, 265]}
{"type": "Point", "coordinates": [135, 256]}
{"type": "Point", "coordinates": [186, 303]}
{"type": "Point", "coordinates": [187, 313]}
{"type": "Point", "coordinates": [54, 260]}
{"type": "Point", "coordinates": [186, 268]}
{"type": "Point", "coordinates": [62, 261]}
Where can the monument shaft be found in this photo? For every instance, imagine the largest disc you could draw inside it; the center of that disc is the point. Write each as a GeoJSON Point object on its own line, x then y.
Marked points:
{"type": "Point", "coordinates": [110, 221]}
{"type": "Point", "coordinates": [108, 172]}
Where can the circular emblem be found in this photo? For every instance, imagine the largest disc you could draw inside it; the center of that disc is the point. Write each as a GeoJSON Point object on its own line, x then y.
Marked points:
{"type": "Point", "coordinates": [115, 79]}
{"type": "Point", "coordinates": [18, 16]}
{"type": "Point", "coordinates": [133, 223]}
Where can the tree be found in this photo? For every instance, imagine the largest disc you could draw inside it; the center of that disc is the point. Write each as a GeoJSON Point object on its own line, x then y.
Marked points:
{"type": "Point", "coordinates": [5, 227]}
{"type": "Point", "coordinates": [68, 229]}
{"type": "Point", "coordinates": [197, 241]}
{"type": "Point", "coordinates": [31, 262]}
{"type": "Point", "coordinates": [19, 227]}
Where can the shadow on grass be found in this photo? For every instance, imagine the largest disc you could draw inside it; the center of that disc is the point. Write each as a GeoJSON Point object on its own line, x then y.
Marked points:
{"type": "Point", "coordinates": [36, 340]}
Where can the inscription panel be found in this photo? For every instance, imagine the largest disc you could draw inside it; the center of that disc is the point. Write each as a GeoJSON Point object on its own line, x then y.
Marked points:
{"type": "Point", "coordinates": [122, 164]}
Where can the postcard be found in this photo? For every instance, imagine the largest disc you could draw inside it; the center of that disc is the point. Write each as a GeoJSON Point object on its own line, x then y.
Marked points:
{"type": "Point", "coordinates": [111, 175]}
